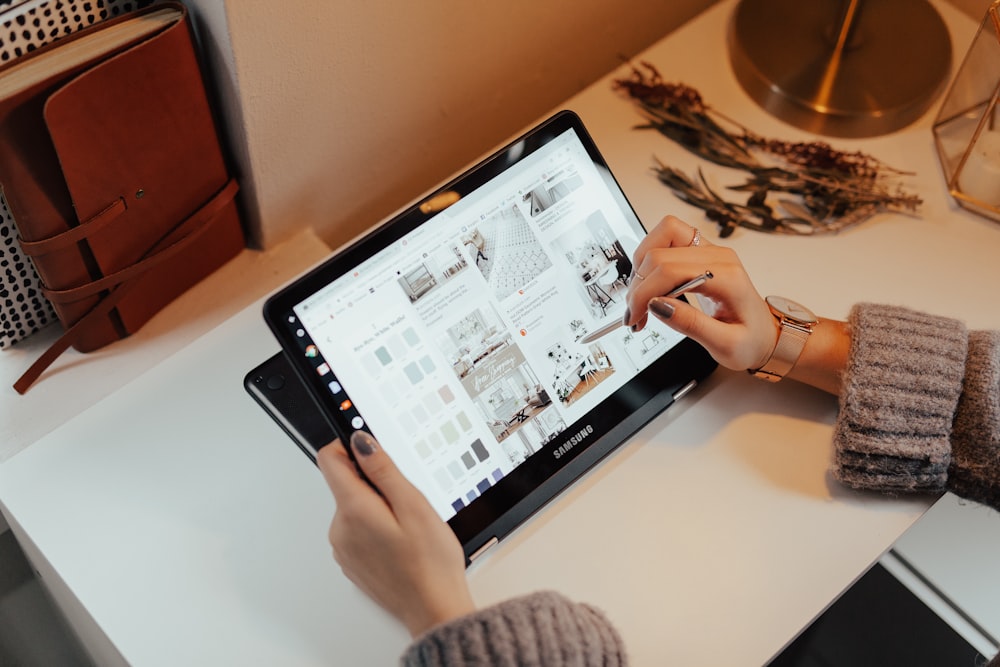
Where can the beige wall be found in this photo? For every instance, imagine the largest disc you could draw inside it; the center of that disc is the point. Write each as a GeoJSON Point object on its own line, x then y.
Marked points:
{"type": "Point", "coordinates": [340, 113]}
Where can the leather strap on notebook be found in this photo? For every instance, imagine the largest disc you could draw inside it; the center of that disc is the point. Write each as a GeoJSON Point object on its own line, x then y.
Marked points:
{"type": "Point", "coordinates": [196, 224]}
{"type": "Point", "coordinates": [74, 234]}
{"type": "Point", "coordinates": [133, 271]}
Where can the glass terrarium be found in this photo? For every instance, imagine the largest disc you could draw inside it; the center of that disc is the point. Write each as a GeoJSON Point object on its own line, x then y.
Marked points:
{"type": "Point", "coordinates": [967, 129]}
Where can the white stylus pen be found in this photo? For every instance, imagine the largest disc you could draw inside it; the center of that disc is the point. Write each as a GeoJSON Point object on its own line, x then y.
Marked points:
{"type": "Point", "coordinates": [674, 293]}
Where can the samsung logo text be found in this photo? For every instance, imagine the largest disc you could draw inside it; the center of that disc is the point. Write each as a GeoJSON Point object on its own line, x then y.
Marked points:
{"type": "Point", "coordinates": [573, 441]}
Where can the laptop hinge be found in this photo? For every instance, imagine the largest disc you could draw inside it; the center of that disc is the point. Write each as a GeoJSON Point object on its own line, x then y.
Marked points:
{"type": "Point", "coordinates": [683, 391]}
{"type": "Point", "coordinates": [481, 550]}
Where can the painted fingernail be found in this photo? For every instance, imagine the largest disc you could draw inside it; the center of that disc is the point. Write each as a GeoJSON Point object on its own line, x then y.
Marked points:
{"type": "Point", "coordinates": [363, 443]}
{"type": "Point", "coordinates": [661, 309]}
{"type": "Point", "coordinates": [627, 317]}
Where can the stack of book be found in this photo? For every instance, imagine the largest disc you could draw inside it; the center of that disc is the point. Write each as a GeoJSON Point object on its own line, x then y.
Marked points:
{"type": "Point", "coordinates": [113, 169]}
{"type": "Point", "coordinates": [27, 25]}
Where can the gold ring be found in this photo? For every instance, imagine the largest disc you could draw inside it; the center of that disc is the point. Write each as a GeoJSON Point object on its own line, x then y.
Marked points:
{"type": "Point", "coordinates": [696, 239]}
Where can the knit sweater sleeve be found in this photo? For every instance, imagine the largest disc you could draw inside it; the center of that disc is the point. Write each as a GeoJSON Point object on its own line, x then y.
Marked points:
{"type": "Point", "coordinates": [540, 629]}
{"type": "Point", "coordinates": [975, 439]}
{"type": "Point", "coordinates": [919, 405]}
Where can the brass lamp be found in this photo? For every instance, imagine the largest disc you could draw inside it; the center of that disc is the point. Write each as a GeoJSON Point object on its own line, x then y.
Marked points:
{"type": "Point", "coordinates": [967, 130]}
{"type": "Point", "coordinates": [842, 68]}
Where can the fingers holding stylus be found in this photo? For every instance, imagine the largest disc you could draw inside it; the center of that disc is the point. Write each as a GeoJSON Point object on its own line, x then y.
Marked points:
{"type": "Point", "coordinates": [664, 271]}
{"type": "Point", "coordinates": [664, 260]}
{"type": "Point", "coordinates": [737, 328]}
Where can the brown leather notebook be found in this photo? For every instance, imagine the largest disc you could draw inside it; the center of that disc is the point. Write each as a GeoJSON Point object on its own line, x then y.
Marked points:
{"type": "Point", "coordinates": [112, 166]}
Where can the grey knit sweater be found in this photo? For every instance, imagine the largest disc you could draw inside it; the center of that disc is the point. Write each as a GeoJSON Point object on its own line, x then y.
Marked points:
{"type": "Point", "coordinates": [920, 406]}
{"type": "Point", "coordinates": [919, 411]}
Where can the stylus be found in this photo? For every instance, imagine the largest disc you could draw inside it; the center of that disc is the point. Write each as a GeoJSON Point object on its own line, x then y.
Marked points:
{"type": "Point", "coordinates": [673, 294]}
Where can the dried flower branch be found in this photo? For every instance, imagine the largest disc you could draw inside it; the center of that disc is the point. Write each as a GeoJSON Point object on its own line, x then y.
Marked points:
{"type": "Point", "coordinates": [834, 189]}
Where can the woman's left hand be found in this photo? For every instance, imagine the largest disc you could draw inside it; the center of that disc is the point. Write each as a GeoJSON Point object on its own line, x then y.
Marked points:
{"type": "Point", "coordinates": [391, 543]}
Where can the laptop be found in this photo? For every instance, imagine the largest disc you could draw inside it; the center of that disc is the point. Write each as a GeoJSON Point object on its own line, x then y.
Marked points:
{"type": "Point", "coordinates": [455, 333]}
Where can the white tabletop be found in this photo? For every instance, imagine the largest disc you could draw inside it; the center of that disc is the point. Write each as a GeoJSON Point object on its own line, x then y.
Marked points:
{"type": "Point", "coordinates": [193, 532]}
{"type": "Point", "coordinates": [77, 381]}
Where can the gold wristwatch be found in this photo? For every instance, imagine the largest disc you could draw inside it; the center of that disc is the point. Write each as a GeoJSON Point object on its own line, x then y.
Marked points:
{"type": "Point", "coordinates": [796, 323]}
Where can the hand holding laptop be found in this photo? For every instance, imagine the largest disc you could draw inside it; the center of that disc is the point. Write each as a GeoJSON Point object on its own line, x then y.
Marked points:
{"type": "Point", "coordinates": [391, 543]}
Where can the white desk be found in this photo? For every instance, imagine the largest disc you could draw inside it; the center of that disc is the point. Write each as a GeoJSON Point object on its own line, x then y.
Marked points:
{"type": "Point", "coordinates": [182, 528]}
{"type": "Point", "coordinates": [77, 381]}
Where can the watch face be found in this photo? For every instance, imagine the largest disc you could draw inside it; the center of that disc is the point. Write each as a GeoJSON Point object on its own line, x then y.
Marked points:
{"type": "Point", "coordinates": [791, 309]}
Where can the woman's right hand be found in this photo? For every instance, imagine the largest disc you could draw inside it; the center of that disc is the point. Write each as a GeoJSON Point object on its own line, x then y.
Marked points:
{"type": "Point", "coordinates": [739, 333]}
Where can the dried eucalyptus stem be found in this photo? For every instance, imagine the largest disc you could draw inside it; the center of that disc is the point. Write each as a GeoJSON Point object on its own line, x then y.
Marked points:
{"type": "Point", "coordinates": [831, 189]}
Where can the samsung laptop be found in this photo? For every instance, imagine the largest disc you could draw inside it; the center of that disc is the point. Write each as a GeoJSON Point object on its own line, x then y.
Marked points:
{"type": "Point", "coordinates": [454, 333]}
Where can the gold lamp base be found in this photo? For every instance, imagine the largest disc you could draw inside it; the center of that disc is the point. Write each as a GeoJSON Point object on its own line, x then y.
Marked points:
{"type": "Point", "coordinates": [841, 68]}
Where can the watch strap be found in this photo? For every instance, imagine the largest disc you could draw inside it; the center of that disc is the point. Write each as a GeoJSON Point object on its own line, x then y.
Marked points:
{"type": "Point", "coordinates": [791, 340]}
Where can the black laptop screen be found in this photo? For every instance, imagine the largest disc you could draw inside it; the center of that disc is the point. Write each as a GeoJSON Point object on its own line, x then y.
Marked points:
{"type": "Point", "coordinates": [453, 333]}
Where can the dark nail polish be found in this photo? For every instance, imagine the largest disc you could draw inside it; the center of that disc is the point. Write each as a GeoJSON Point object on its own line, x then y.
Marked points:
{"type": "Point", "coordinates": [661, 309]}
{"type": "Point", "coordinates": [627, 317]}
{"type": "Point", "coordinates": [363, 443]}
